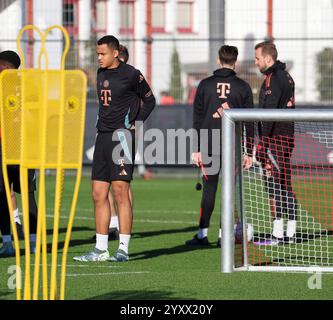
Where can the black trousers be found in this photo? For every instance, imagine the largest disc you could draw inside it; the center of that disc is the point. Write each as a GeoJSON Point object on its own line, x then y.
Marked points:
{"type": "Point", "coordinates": [5, 218]}
{"type": "Point", "coordinates": [209, 187]}
{"type": "Point", "coordinates": [210, 179]}
{"type": "Point", "coordinates": [279, 178]}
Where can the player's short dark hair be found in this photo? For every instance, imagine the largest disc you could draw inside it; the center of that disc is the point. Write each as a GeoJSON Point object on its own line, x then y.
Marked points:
{"type": "Point", "coordinates": [123, 53]}
{"type": "Point", "coordinates": [11, 57]}
{"type": "Point", "coordinates": [111, 41]}
{"type": "Point", "coordinates": [267, 48]}
{"type": "Point", "coordinates": [228, 54]}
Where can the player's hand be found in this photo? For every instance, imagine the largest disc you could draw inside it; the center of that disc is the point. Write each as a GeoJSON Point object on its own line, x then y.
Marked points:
{"type": "Point", "coordinates": [247, 162]}
{"type": "Point", "coordinates": [268, 166]}
{"type": "Point", "coordinates": [268, 169]}
{"type": "Point", "coordinates": [197, 158]}
{"type": "Point", "coordinates": [261, 154]}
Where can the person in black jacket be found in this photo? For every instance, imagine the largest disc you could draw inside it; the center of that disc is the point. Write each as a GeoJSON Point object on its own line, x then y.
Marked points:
{"type": "Point", "coordinates": [222, 90]}
{"type": "Point", "coordinates": [10, 60]}
{"type": "Point", "coordinates": [124, 97]}
{"type": "Point", "coordinates": [277, 92]}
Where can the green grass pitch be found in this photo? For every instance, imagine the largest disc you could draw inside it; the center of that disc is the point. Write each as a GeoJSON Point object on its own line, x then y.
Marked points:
{"type": "Point", "coordinates": [161, 266]}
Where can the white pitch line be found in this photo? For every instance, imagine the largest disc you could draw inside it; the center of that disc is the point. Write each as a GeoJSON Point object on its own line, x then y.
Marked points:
{"type": "Point", "coordinates": [135, 220]}
{"type": "Point", "coordinates": [89, 266]}
{"type": "Point", "coordinates": [66, 217]}
{"type": "Point", "coordinates": [94, 265]}
{"type": "Point", "coordinates": [103, 274]}
{"type": "Point", "coordinates": [163, 221]}
{"type": "Point", "coordinates": [139, 210]}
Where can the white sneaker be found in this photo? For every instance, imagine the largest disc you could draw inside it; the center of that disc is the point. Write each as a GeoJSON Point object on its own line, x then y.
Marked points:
{"type": "Point", "coordinates": [267, 242]}
{"type": "Point", "coordinates": [120, 256]}
{"type": "Point", "coordinates": [7, 250]}
{"type": "Point", "coordinates": [96, 255]}
{"type": "Point", "coordinates": [291, 228]}
{"type": "Point", "coordinates": [276, 241]}
{"type": "Point", "coordinates": [278, 228]}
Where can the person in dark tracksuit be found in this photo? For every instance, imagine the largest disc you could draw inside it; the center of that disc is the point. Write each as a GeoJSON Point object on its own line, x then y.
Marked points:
{"type": "Point", "coordinates": [11, 60]}
{"type": "Point", "coordinates": [124, 98]}
{"type": "Point", "coordinates": [277, 92]}
{"type": "Point", "coordinates": [222, 90]}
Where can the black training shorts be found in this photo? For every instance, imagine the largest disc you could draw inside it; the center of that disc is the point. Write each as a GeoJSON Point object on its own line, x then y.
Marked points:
{"type": "Point", "coordinates": [114, 156]}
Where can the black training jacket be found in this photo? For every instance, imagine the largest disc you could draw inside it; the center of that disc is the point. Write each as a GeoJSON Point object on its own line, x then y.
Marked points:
{"type": "Point", "coordinates": [277, 92]}
{"type": "Point", "coordinates": [120, 92]}
{"type": "Point", "coordinates": [222, 89]}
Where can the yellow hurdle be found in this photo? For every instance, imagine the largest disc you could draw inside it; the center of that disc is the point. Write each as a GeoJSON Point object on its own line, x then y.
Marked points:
{"type": "Point", "coordinates": [42, 127]}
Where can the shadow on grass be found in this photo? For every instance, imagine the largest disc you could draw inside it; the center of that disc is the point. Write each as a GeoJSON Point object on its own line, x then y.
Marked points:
{"type": "Point", "coordinates": [302, 236]}
{"type": "Point", "coordinates": [90, 240]}
{"type": "Point", "coordinates": [137, 295]}
{"type": "Point", "coordinates": [74, 229]}
{"type": "Point", "coordinates": [168, 251]}
{"type": "Point", "coordinates": [5, 293]}
{"type": "Point", "coordinates": [49, 232]}
{"type": "Point", "coordinates": [136, 256]}
{"type": "Point", "coordinates": [72, 243]}
{"type": "Point", "coordinates": [162, 232]}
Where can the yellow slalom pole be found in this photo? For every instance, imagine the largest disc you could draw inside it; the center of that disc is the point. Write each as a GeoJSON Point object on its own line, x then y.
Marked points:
{"type": "Point", "coordinates": [41, 201]}
{"type": "Point", "coordinates": [68, 235]}
{"type": "Point", "coordinates": [41, 225]}
{"type": "Point", "coordinates": [60, 170]}
{"type": "Point", "coordinates": [44, 253]}
{"type": "Point", "coordinates": [72, 212]}
{"type": "Point", "coordinates": [18, 41]}
{"type": "Point", "coordinates": [42, 171]}
{"type": "Point", "coordinates": [42, 164]}
{"type": "Point", "coordinates": [25, 207]}
{"type": "Point", "coordinates": [9, 200]}
{"type": "Point", "coordinates": [25, 199]}
{"type": "Point", "coordinates": [57, 207]}
{"type": "Point", "coordinates": [67, 42]}
{"type": "Point", "coordinates": [41, 208]}
{"type": "Point", "coordinates": [41, 240]}
{"type": "Point", "coordinates": [12, 222]}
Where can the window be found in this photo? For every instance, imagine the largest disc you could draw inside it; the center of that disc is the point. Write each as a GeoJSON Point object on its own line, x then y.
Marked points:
{"type": "Point", "coordinates": [70, 16]}
{"type": "Point", "coordinates": [184, 16]}
{"type": "Point", "coordinates": [100, 16]}
{"type": "Point", "coordinates": [158, 16]}
{"type": "Point", "coordinates": [127, 17]}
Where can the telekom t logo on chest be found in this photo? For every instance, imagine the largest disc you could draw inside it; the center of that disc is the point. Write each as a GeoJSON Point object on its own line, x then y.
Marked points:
{"type": "Point", "coordinates": [106, 97]}
{"type": "Point", "coordinates": [223, 89]}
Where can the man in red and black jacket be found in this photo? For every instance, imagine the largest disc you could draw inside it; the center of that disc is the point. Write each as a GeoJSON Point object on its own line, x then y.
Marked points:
{"type": "Point", "coordinates": [222, 90]}
{"type": "Point", "coordinates": [277, 92]}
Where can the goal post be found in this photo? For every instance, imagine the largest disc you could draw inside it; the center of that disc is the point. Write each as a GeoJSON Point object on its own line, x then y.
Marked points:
{"type": "Point", "coordinates": [266, 204]}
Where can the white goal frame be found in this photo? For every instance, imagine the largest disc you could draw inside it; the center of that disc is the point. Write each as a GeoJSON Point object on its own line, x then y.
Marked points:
{"type": "Point", "coordinates": [231, 125]}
